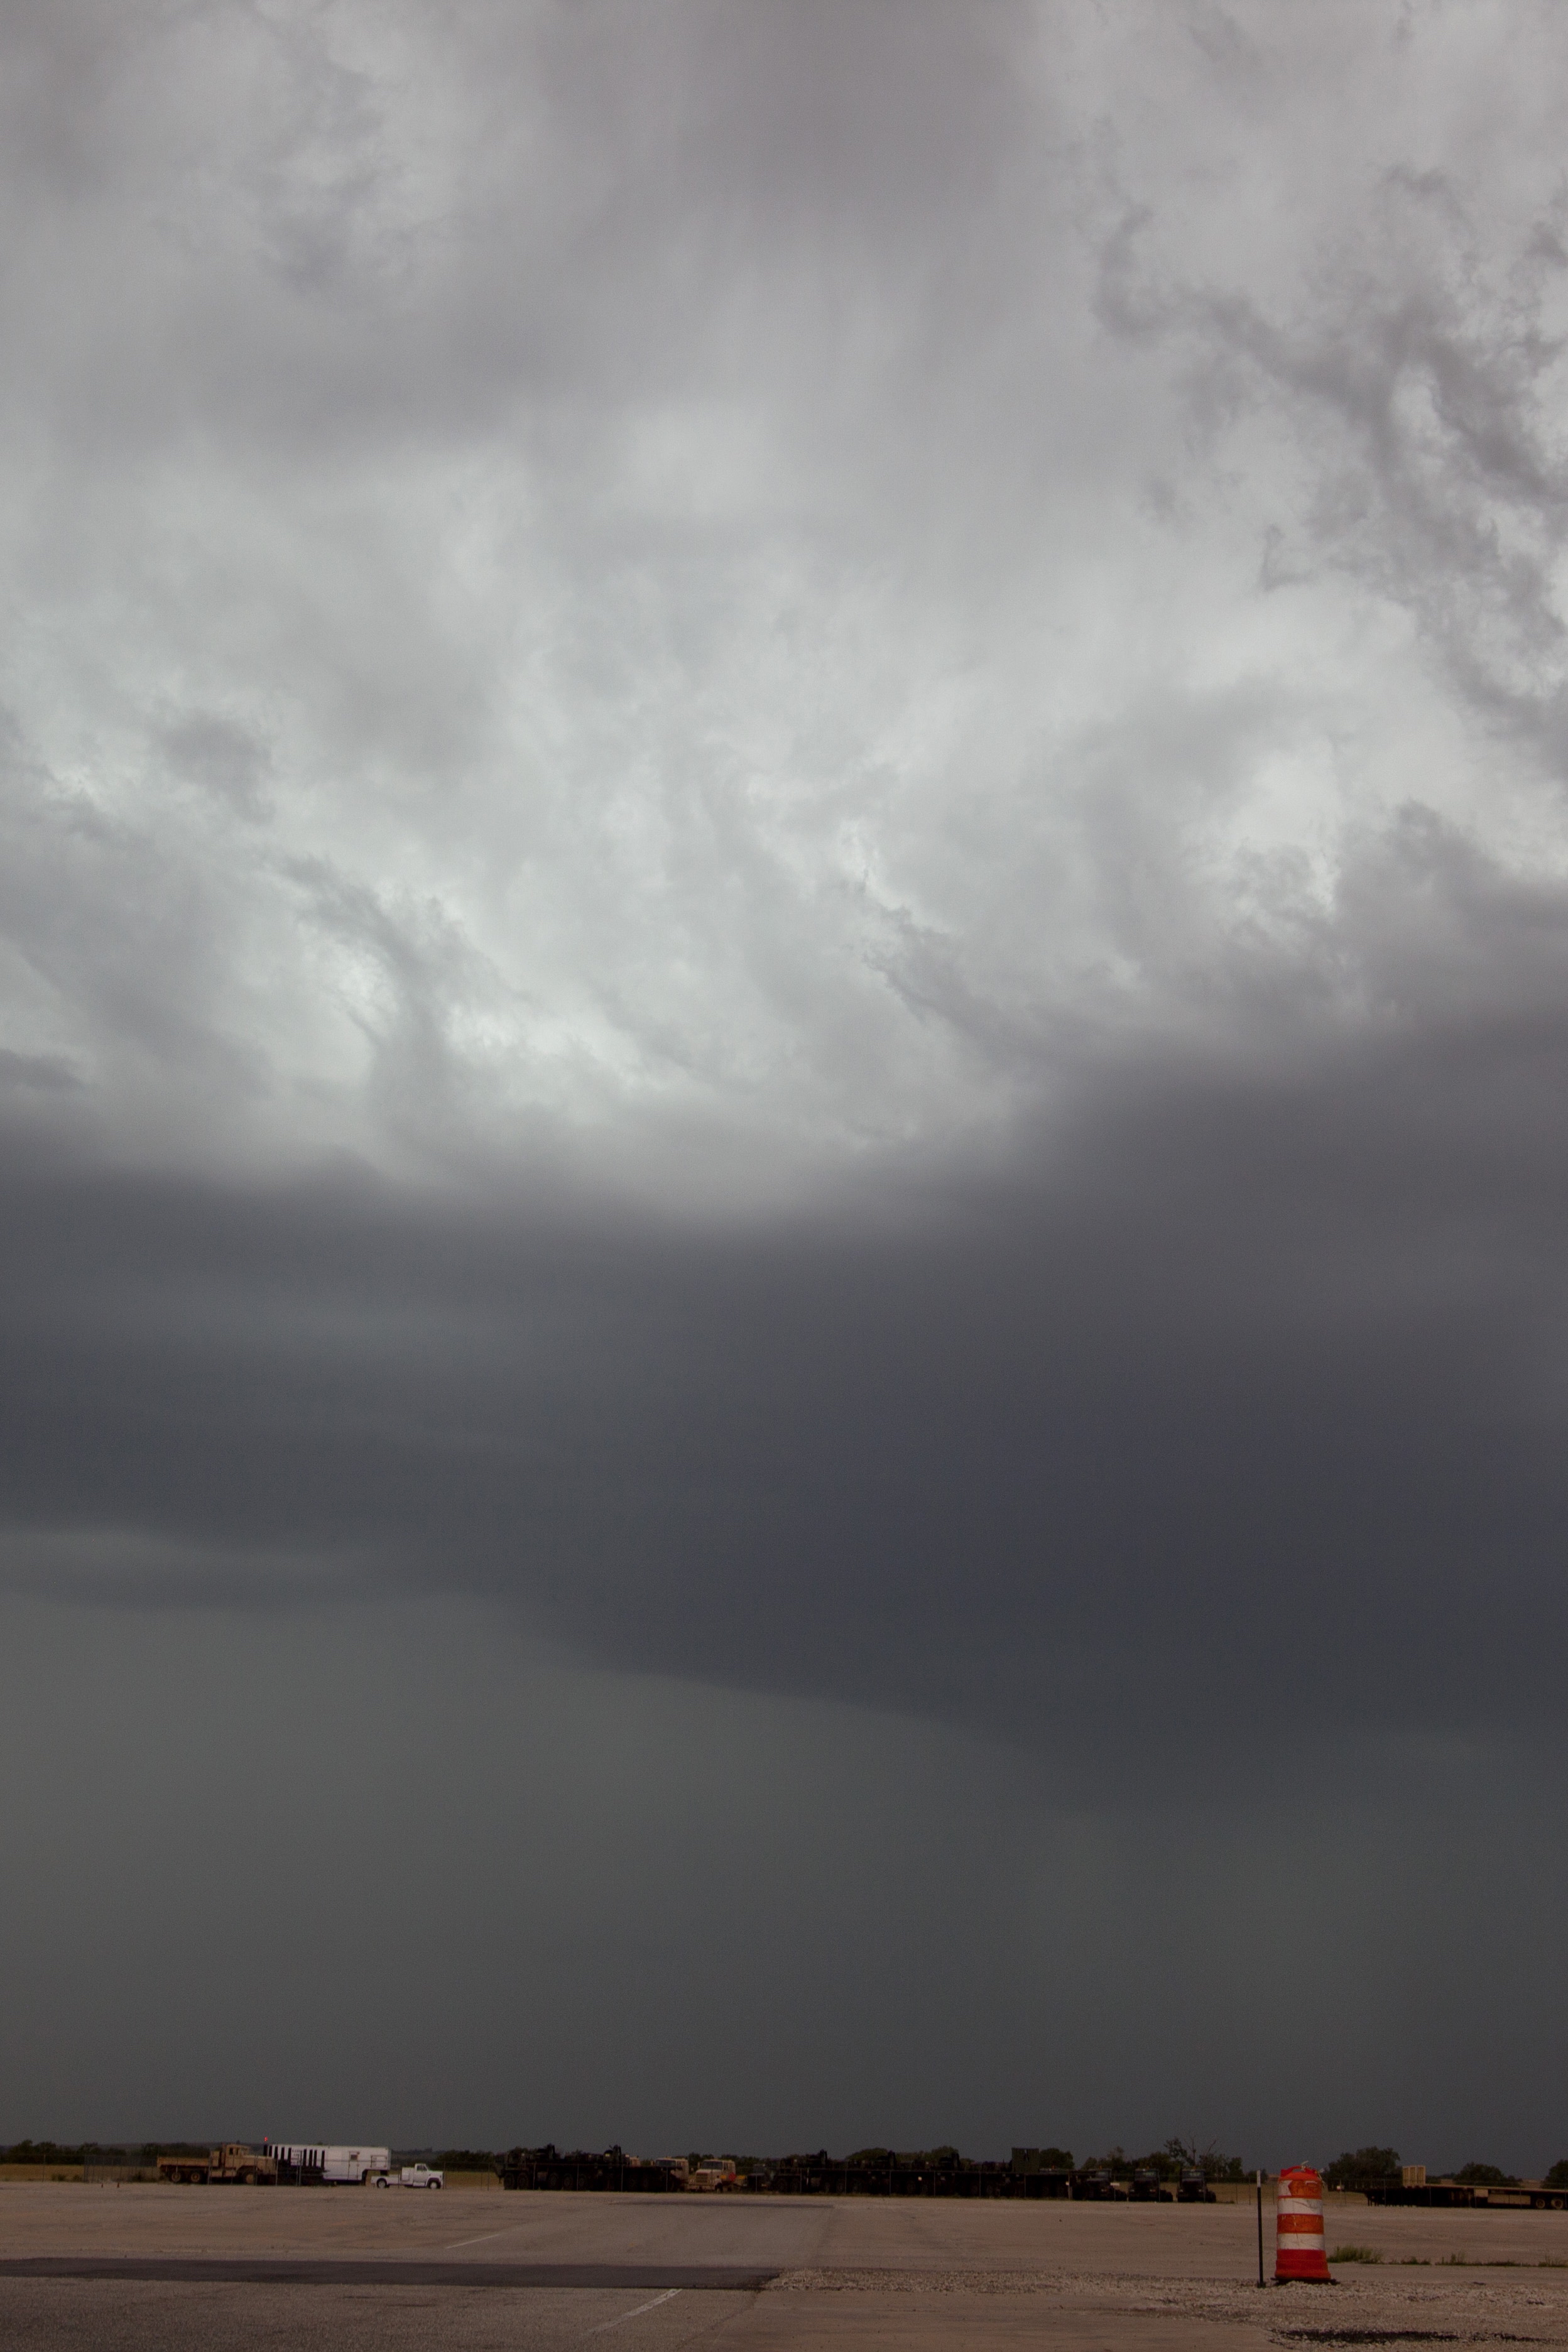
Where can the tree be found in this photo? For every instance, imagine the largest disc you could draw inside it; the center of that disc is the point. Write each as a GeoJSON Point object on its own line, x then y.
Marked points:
{"type": "Point", "coordinates": [1558, 2176]}
{"type": "Point", "coordinates": [1361, 2164]}
{"type": "Point", "coordinates": [1181, 2154]}
{"type": "Point", "coordinates": [1487, 2176]}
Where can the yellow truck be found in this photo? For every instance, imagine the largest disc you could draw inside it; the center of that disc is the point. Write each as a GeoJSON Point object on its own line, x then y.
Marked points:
{"type": "Point", "coordinates": [232, 2161]}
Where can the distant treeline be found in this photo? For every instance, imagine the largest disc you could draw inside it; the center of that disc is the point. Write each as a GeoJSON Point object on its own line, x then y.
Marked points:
{"type": "Point", "coordinates": [92, 2151]}
{"type": "Point", "coordinates": [1353, 2165]}
{"type": "Point", "coordinates": [1170, 2161]}
{"type": "Point", "coordinates": [1167, 2161]}
{"type": "Point", "coordinates": [1358, 2164]}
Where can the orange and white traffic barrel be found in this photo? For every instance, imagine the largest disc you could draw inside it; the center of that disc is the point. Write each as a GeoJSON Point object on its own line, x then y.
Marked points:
{"type": "Point", "coordinates": [1299, 2225]}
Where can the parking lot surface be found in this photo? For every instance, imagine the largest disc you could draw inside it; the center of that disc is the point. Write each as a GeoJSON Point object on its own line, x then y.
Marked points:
{"type": "Point", "coordinates": [139, 2268]}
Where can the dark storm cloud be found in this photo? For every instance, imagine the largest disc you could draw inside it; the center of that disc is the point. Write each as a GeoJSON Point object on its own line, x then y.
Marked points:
{"type": "Point", "coordinates": [1228, 1407]}
{"type": "Point", "coordinates": [782, 900]}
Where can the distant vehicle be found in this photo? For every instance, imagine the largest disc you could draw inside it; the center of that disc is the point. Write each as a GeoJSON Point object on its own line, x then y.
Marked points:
{"type": "Point", "coordinates": [1194, 2189]}
{"type": "Point", "coordinates": [1146, 2184]}
{"type": "Point", "coordinates": [232, 2161]}
{"type": "Point", "coordinates": [332, 2166]}
{"type": "Point", "coordinates": [415, 2175]}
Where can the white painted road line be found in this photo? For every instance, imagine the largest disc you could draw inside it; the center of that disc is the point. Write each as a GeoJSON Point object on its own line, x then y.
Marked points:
{"type": "Point", "coordinates": [483, 2239]}
{"type": "Point", "coordinates": [621, 2317]}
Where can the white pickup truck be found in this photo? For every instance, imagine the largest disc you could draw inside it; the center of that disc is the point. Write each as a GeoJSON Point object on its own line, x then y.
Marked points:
{"type": "Point", "coordinates": [419, 2175]}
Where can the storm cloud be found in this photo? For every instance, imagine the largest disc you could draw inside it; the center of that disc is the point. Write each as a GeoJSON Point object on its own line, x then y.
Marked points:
{"type": "Point", "coordinates": [784, 895]}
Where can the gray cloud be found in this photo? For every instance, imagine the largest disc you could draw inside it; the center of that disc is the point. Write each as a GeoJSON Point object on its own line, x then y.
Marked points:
{"type": "Point", "coordinates": [1235, 1342]}
{"type": "Point", "coordinates": [782, 894]}
{"type": "Point", "coordinates": [740, 559]}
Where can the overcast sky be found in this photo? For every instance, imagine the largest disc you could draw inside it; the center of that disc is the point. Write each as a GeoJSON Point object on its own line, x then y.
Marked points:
{"type": "Point", "coordinates": [784, 1073]}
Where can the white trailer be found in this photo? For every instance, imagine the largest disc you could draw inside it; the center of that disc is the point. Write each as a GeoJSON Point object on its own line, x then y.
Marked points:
{"type": "Point", "coordinates": [314, 2160]}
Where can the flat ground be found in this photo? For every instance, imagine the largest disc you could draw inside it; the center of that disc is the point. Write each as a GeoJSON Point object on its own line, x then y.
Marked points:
{"type": "Point", "coordinates": [159, 2269]}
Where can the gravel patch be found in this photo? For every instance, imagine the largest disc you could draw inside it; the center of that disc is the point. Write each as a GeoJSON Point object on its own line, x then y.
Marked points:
{"type": "Point", "coordinates": [1376, 2310]}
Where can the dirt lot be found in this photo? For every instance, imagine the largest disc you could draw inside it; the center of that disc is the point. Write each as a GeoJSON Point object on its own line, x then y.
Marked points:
{"type": "Point", "coordinates": [134, 2268]}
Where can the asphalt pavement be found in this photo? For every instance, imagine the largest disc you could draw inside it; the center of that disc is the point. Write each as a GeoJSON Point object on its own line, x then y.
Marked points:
{"type": "Point", "coordinates": [155, 2268]}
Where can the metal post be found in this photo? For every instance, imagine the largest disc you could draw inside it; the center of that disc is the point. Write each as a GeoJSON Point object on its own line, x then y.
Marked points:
{"type": "Point", "coordinates": [1260, 2228]}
